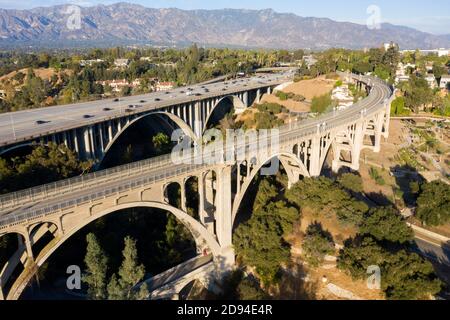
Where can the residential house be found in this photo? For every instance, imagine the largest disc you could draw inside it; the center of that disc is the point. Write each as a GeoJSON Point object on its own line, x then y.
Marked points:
{"type": "Point", "coordinates": [91, 62]}
{"type": "Point", "coordinates": [121, 63]}
{"type": "Point", "coordinates": [164, 86]}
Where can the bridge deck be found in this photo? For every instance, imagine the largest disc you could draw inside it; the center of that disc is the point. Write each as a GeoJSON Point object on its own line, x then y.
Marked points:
{"type": "Point", "coordinates": [21, 125]}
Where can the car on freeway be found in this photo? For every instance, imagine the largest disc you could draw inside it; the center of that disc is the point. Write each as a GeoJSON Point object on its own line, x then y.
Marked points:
{"type": "Point", "coordinates": [107, 109]}
{"type": "Point", "coordinates": [157, 99]}
{"type": "Point", "coordinates": [87, 116]}
{"type": "Point", "coordinates": [116, 100]}
{"type": "Point", "coordinates": [38, 122]}
{"type": "Point", "coordinates": [142, 101]}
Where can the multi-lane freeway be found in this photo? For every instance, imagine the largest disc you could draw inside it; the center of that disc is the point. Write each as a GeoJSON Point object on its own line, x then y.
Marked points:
{"type": "Point", "coordinates": [21, 125]}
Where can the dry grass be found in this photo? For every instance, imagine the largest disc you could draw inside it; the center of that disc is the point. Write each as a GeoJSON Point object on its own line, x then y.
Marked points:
{"type": "Point", "coordinates": [43, 73]}
{"type": "Point", "coordinates": [307, 88]}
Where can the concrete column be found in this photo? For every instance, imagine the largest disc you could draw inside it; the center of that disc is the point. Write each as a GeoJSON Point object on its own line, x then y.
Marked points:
{"type": "Point", "coordinates": [269, 90]}
{"type": "Point", "coordinates": [378, 132]}
{"type": "Point", "coordinates": [28, 246]}
{"type": "Point", "coordinates": [183, 196]}
{"type": "Point", "coordinates": [245, 98]}
{"type": "Point", "coordinates": [357, 144]}
{"type": "Point", "coordinates": [87, 143]}
{"type": "Point", "coordinates": [102, 142]}
{"type": "Point", "coordinates": [224, 223]}
{"type": "Point", "coordinates": [223, 210]}
{"type": "Point", "coordinates": [119, 125]}
{"type": "Point", "coordinates": [258, 96]}
{"type": "Point", "coordinates": [184, 114]}
{"type": "Point", "coordinates": [197, 119]}
{"type": "Point", "coordinates": [209, 202]}
{"type": "Point", "coordinates": [66, 141]}
{"type": "Point", "coordinates": [238, 178]}
{"type": "Point", "coordinates": [110, 131]}
{"type": "Point", "coordinates": [92, 139]}
{"type": "Point", "coordinates": [75, 141]}
{"type": "Point", "coordinates": [201, 200]}
{"type": "Point", "coordinates": [315, 169]}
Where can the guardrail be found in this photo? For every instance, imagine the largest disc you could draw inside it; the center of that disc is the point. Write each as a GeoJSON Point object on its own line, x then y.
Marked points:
{"type": "Point", "coordinates": [144, 172]}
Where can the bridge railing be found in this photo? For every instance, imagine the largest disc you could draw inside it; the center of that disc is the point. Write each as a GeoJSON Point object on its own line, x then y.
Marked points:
{"type": "Point", "coordinates": [79, 183]}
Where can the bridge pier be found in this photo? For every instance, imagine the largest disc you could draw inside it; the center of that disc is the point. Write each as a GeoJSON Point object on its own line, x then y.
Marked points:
{"type": "Point", "coordinates": [357, 144]}
{"type": "Point", "coordinates": [224, 223]}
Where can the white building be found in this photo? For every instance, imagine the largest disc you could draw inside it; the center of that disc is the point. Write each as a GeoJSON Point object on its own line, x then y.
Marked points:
{"type": "Point", "coordinates": [84, 63]}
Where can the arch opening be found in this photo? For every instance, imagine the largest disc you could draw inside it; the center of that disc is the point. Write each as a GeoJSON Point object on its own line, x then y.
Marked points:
{"type": "Point", "coordinates": [145, 137]}
{"type": "Point", "coordinates": [225, 107]}
{"type": "Point", "coordinates": [12, 260]}
{"type": "Point", "coordinates": [163, 242]}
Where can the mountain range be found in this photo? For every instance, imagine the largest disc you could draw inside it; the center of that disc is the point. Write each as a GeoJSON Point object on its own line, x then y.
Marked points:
{"type": "Point", "coordinates": [131, 23]}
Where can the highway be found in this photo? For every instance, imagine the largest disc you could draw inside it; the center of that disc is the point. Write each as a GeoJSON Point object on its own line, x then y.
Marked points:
{"type": "Point", "coordinates": [22, 125]}
{"type": "Point", "coordinates": [66, 193]}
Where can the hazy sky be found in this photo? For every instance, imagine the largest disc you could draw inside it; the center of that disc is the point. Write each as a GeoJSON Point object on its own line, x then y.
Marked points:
{"type": "Point", "coordinates": [431, 16]}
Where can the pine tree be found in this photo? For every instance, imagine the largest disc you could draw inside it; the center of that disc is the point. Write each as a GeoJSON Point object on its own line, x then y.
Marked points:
{"type": "Point", "coordinates": [131, 273]}
{"type": "Point", "coordinates": [97, 265]}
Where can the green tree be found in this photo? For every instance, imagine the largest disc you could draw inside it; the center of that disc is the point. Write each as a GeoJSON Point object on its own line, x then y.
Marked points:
{"type": "Point", "coordinates": [249, 290]}
{"type": "Point", "coordinates": [131, 273]}
{"type": "Point", "coordinates": [352, 182]}
{"type": "Point", "coordinates": [316, 245]}
{"type": "Point", "coordinates": [97, 265]}
{"type": "Point", "coordinates": [161, 143]}
{"type": "Point", "coordinates": [398, 107]}
{"type": "Point", "coordinates": [386, 223]}
{"type": "Point", "coordinates": [433, 204]}
{"type": "Point", "coordinates": [404, 275]}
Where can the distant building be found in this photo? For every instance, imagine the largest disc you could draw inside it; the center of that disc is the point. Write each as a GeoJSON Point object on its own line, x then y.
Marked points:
{"type": "Point", "coordinates": [118, 85]}
{"type": "Point", "coordinates": [164, 86]}
{"type": "Point", "coordinates": [121, 63]}
{"type": "Point", "coordinates": [309, 60]}
{"type": "Point", "coordinates": [91, 62]}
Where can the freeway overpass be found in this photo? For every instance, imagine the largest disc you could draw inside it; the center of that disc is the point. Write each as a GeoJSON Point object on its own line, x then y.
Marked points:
{"type": "Point", "coordinates": [65, 207]}
{"type": "Point", "coordinates": [91, 128]}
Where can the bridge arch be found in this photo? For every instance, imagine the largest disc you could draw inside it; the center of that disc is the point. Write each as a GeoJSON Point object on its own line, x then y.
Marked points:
{"type": "Point", "coordinates": [284, 158]}
{"type": "Point", "coordinates": [178, 121]}
{"type": "Point", "coordinates": [236, 102]}
{"type": "Point", "coordinates": [195, 228]}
